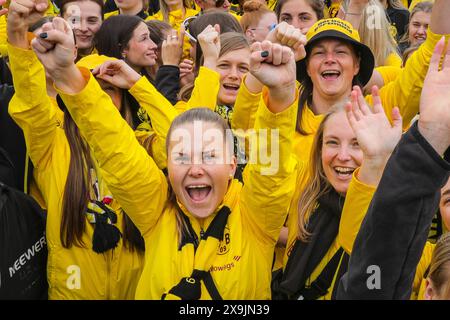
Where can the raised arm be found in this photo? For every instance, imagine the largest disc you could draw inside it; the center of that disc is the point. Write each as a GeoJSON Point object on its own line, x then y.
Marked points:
{"type": "Point", "coordinates": [206, 84]}
{"type": "Point", "coordinates": [393, 234]}
{"type": "Point", "coordinates": [159, 109]}
{"type": "Point", "coordinates": [405, 91]}
{"type": "Point", "coordinates": [131, 175]}
{"type": "Point", "coordinates": [269, 185]}
{"type": "Point", "coordinates": [30, 106]}
{"type": "Point", "coordinates": [377, 138]}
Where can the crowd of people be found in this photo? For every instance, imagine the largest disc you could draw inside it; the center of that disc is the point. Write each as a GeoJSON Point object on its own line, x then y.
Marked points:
{"type": "Point", "coordinates": [187, 150]}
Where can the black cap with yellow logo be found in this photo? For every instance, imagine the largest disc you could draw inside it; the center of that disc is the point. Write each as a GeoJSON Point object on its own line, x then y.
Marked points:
{"type": "Point", "coordinates": [342, 30]}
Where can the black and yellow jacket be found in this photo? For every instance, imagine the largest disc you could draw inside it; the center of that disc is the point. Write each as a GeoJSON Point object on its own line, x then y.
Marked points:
{"type": "Point", "coordinates": [241, 269]}
{"type": "Point", "coordinates": [78, 272]}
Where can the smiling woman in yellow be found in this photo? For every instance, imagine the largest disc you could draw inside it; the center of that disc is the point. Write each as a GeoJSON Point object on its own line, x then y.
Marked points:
{"type": "Point", "coordinates": [215, 238]}
{"type": "Point", "coordinates": [95, 251]}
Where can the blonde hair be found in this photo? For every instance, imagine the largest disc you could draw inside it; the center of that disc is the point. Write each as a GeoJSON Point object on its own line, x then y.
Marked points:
{"type": "Point", "coordinates": [378, 38]}
{"type": "Point", "coordinates": [439, 273]}
{"type": "Point", "coordinates": [426, 7]}
{"type": "Point", "coordinates": [318, 183]}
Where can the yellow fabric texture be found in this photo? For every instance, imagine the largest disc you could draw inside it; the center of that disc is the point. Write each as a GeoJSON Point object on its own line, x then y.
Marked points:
{"type": "Point", "coordinates": [176, 18]}
{"type": "Point", "coordinates": [204, 94]}
{"type": "Point", "coordinates": [388, 73]}
{"type": "Point", "coordinates": [75, 273]}
{"type": "Point", "coordinates": [142, 189]}
{"type": "Point", "coordinates": [393, 60]}
{"type": "Point", "coordinates": [3, 37]}
{"type": "Point", "coordinates": [357, 201]}
{"type": "Point", "coordinates": [419, 284]}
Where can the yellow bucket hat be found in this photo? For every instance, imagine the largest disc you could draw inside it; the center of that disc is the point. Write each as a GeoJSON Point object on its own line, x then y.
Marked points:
{"type": "Point", "coordinates": [92, 61]}
{"type": "Point", "coordinates": [336, 28]}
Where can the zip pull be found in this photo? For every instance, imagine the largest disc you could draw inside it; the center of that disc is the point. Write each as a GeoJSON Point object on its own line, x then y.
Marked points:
{"type": "Point", "coordinates": [202, 234]}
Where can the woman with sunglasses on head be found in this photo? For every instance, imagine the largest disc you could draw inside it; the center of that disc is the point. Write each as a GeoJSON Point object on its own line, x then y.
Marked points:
{"type": "Point", "coordinates": [166, 70]}
{"type": "Point", "coordinates": [214, 230]}
{"type": "Point", "coordinates": [175, 12]}
{"type": "Point", "coordinates": [257, 21]}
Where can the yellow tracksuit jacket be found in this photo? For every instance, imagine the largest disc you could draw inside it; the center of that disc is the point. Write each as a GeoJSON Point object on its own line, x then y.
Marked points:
{"type": "Point", "coordinates": [242, 269]}
{"type": "Point", "coordinates": [357, 201]}
{"type": "Point", "coordinates": [75, 273]}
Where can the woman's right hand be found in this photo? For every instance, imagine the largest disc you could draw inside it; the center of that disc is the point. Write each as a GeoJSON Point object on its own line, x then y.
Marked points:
{"type": "Point", "coordinates": [55, 48]}
{"type": "Point", "coordinates": [288, 35]}
{"type": "Point", "coordinates": [434, 120]}
{"type": "Point", "coordinates": [21, 15]}
{"type": "Point", "coordinates": [376, 136]}
{"type": "Point", "coordinates": [210, 43]}
{"type": "Point", "coordinates": [172, 48]}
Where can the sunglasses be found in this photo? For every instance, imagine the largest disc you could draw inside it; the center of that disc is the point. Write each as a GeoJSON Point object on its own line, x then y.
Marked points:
{"type": "Point", "coordinates": [186, 24]}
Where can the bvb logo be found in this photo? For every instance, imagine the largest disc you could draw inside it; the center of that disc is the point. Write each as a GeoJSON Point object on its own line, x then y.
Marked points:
{"type": "Point", "coordinates": [224, 245]}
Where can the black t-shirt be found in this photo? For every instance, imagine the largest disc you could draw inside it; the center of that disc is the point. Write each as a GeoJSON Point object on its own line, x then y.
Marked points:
{"type": "Point", "coordinates": [399, 19]}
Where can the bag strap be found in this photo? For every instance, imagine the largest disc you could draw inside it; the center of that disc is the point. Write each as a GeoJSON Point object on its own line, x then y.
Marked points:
{"type": "Point", "coordinates": [321, 285]}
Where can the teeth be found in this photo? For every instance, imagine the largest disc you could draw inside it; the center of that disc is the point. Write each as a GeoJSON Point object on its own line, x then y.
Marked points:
{"type": "Point", "coordinates": [200, 186]}
{"type": "Point", "coordinates": [344, 170]}
{"type": "Point", "coordinates": [330, 73]}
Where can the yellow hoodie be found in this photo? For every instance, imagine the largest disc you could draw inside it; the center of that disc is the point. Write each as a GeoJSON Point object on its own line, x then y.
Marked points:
{"type": "Point", "coordinates": [242, 268]}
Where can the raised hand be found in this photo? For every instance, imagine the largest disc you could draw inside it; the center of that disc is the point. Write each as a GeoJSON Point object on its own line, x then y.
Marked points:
{"type": "Point", "coordinates": [118, 73]}
{"type": "Point", "coordinates": [186, 72]}
{"type": "Point", "coordinates": [172, 47]}
{"type": "Point", "coordinates": [21, 15]}
{"type": "Point", "coordinates": [434, 120]}
{"type": "Point", "coordinates": [288, 35]}
{"type": "Point", "coordinates": [376, 136]}
{"type": "Point", "coordinates": [55, 48]}
{"type": "Point", "coordinates": [274, 66]}
{"type": "Point", "coordinates": [210, 43]}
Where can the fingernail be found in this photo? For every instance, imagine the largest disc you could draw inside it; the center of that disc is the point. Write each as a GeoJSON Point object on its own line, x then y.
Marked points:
{"type": "Point", "coordinates": [264, 54]}
{"type": "Point", "coordinates": [43, 35]}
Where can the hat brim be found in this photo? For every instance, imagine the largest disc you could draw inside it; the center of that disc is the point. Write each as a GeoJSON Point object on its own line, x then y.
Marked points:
{"type": "Point", "coordinates": [367, 60]}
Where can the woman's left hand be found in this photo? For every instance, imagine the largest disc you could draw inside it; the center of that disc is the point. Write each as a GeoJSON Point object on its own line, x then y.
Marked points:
{"type": "Point", "coordinates": [118, 73]}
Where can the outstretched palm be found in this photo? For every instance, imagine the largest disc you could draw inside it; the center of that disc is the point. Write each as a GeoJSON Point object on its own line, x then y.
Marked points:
{"type": "Point", "coordinates": [434, 102]}
{"type": "Point", "coordinates": [375, 134]}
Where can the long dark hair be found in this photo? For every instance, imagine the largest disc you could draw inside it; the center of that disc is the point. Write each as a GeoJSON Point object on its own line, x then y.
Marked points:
{"type": "Point", "coordinates": [114, 34]}
{"type": "Point", "coordinates": [77, 189]}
